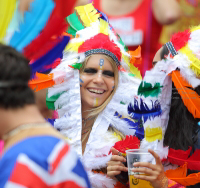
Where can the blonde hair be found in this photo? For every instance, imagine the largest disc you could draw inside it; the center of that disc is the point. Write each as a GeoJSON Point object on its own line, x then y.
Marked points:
{"type": "Point", "coordinates": [95, 111]}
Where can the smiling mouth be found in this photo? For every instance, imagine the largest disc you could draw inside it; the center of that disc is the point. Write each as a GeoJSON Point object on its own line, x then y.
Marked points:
{"type": "Point", "coordinates": [97, 91]}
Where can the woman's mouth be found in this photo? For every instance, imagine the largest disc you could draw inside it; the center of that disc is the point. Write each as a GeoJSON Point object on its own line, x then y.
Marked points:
{"type": "Point", "coordinates": [96, 91]}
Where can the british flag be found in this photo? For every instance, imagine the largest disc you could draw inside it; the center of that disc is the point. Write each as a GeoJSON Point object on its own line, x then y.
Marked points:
{"type": "Point", "coordinates": [31, 164]}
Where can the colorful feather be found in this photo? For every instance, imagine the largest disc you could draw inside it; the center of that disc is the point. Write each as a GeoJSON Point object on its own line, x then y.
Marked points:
{"type": "Point", "coordinates": [74, 23]}
{"type": "Point", "coordinates": [146, 89]}
{"type": "Point", "coordinates": [189, 97]}
{"type": "Point", "coordinates": [153, 134]}
{"type": "Point", "coordinates": [103, 16]}
{"type": "Point", "coordinates": [180, 39]}
{"type": "Point", "coordinates": [88, 14]}
{"type": "Point", "coordinates": [34, 55]}
{"type": "Point", "coordinates": [179, 175]}
{"type": "Point", "coordinates": [104, 27]}
{"type": "Point", "coordinates": [180, 157]}
{"type": "Point", "coordinates": [55, 27]}
{"type": "Point", "coordinates": [42, 81]}
{"type": "Point", "coordinates": [137, 125]}
{"type": "Point", "coordinates": [134, 70]}
{"type": "Point", "coordinates": [50, 57]}
{"type": "Point", "coordinates": [73, 47]}
{"type": "Point", "coordinates": [76, 66]}
{"type": "Point", "coordinates": [34, 22]}
{"type": "Point", "coordinates": [7, 9]}
{"type": "Point", "coordinates": [138, 112]}
{"type": "Point", "coordinates": [50, 101]}
{"type": "Point", "coordinates": [194, 60]}
{"type": "Point", "coordinates": [136, 57]}
{"type": "Point", "coordinates": [130, 142]}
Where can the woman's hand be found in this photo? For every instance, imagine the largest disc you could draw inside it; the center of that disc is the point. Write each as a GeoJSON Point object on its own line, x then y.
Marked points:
{"type": "Point", "coordinates": [115, 165]}
{"type": "Point", "coordinates": [154, 173]}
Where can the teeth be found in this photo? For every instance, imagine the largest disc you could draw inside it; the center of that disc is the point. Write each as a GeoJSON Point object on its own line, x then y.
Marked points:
{"type": "Point", "coordinates": [96, 91]}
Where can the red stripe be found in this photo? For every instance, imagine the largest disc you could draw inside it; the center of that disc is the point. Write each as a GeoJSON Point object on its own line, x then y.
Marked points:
{"type": "Point", "coordinates": [60, 155]}
{"type": "Point", "coordinates": [22, 175]}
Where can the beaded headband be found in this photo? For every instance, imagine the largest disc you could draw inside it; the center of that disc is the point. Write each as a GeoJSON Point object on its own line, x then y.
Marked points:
{"type": "Point", "coordinates": [103, 51]}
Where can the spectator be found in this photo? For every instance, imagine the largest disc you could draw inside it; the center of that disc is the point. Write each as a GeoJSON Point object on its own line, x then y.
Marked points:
{"type": "Point", "coordinates": [35, 154]}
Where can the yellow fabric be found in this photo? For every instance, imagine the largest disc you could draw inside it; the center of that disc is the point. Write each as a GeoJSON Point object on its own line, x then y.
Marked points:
{"type": "Point", "coordinates": [153, 134]}
{"type": "Point", "coordinates": [88, 14]}
{"type": "Point", "coordinates": [7, 8]}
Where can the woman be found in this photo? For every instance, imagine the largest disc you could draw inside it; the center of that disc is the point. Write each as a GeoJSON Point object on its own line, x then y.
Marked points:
{"type": "Point", "coordinates": [177, 87]}
{"type": "Point", "coordinates": [94, 80]}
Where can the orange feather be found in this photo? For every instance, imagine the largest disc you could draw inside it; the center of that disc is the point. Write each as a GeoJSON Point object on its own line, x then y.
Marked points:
{"type": "Point", "coordinates": [179, 175]}
{"type": "Point", "coordinates": [136, 57]}
{"type": "Point", "coordinates": [42, 81]}
{"type": "Point", "coordinates": [189, 97]}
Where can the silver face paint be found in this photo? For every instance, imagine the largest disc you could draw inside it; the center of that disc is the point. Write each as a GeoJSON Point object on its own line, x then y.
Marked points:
{"type": "Point", "coordinates": [101, 63]}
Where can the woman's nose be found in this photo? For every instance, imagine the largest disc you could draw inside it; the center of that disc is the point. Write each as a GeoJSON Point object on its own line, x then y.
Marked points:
{"type": "Point", "coordinates": [98, 78]}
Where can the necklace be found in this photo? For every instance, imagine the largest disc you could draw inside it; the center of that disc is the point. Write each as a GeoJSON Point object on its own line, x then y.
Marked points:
{"type": "Point", "coordinates": [22, 127]}
{"type": "Point", "coordinates": [84, 120]}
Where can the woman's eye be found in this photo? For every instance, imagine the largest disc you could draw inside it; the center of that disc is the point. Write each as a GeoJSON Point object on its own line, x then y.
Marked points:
{"type": "Point", "coordinates": [108, 73]}
{"type": "Point", "coordinates": [90, 70]}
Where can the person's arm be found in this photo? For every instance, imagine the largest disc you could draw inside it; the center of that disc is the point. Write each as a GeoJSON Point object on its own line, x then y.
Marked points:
{"type": "Point", "coordinates": [166, 11]}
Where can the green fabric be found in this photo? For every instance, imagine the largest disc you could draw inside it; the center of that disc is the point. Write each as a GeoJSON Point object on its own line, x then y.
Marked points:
{"type": "Point", "coordinates": [75, 24]}
{"type": "Point", "coordinates": [146, 89]}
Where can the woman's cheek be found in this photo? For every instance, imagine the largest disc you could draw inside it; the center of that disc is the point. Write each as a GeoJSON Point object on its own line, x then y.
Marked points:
{"type": "Point", "coordinates": [82, 80]}
{"type": "Point", "coordinates": [113, 84]}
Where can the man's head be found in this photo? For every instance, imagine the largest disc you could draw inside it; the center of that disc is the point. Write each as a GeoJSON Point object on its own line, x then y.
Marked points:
{"type": "Point", "coordinates": [14, 76]}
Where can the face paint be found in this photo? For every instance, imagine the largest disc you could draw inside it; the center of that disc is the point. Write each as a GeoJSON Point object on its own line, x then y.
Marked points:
{"type": "Point", "coordinates": [96, 102]}
{"type": "Point", "coordinates": [113, 82]}
{"type": "Point", "coordinates": [81, 81]}
{"type": "Point", "coordinates": [101, 63]}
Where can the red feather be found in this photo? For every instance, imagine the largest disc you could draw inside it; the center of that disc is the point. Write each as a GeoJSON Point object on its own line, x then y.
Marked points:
{"type": "Point", "coordinates": [63, 8]}
{"type": "Point", "coordinates": [55, 27]}
{"type": "Point", "coordinates": [130, 142]}
{"type": "Point", "coordinates": [181, 157]}
{"type": "Point", "coordinates": [103, 42]}
{"type": "Point", "coordinates": [180, 39]}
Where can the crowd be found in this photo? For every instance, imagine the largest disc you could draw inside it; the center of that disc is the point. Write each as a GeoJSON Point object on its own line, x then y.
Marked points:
{"type": "Point", "coordinates": [81, 82]}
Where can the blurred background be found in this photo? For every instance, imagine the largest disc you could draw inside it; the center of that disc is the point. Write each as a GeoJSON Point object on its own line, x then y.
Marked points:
{"type": "Point", "coordinates": [148, 23]}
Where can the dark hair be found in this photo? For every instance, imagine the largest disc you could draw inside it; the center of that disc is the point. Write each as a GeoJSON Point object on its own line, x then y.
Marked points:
{"type": "Point", "coordinates": [164, 52]}
{"type": "Point", "coordinates": [182, 126]}
{"type": "Point", "coordinates": [14, 76]}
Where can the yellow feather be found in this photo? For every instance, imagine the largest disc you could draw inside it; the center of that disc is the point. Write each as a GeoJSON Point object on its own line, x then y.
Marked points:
{"type": "Point", "coordinates": [7, 8]}
{"type": "Point", "coordinates": [104, 27]}
{"type": "Point", "coordinates": [88, 14]}
{"type": "Point", "coordinates": [194, 28]}
{"type": "Point", "coordinates": [153, 134]}
{"type": "Point", "coordinates": [194, 61]}
{"type": "Point", "coordinates": [73, 46]}
{"type": "Point", "coordinates": [126, 59]}
{"type": "Point", "coordinates": [117, 136]}
{"type": "Point", "coordinates": [134, 70]}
